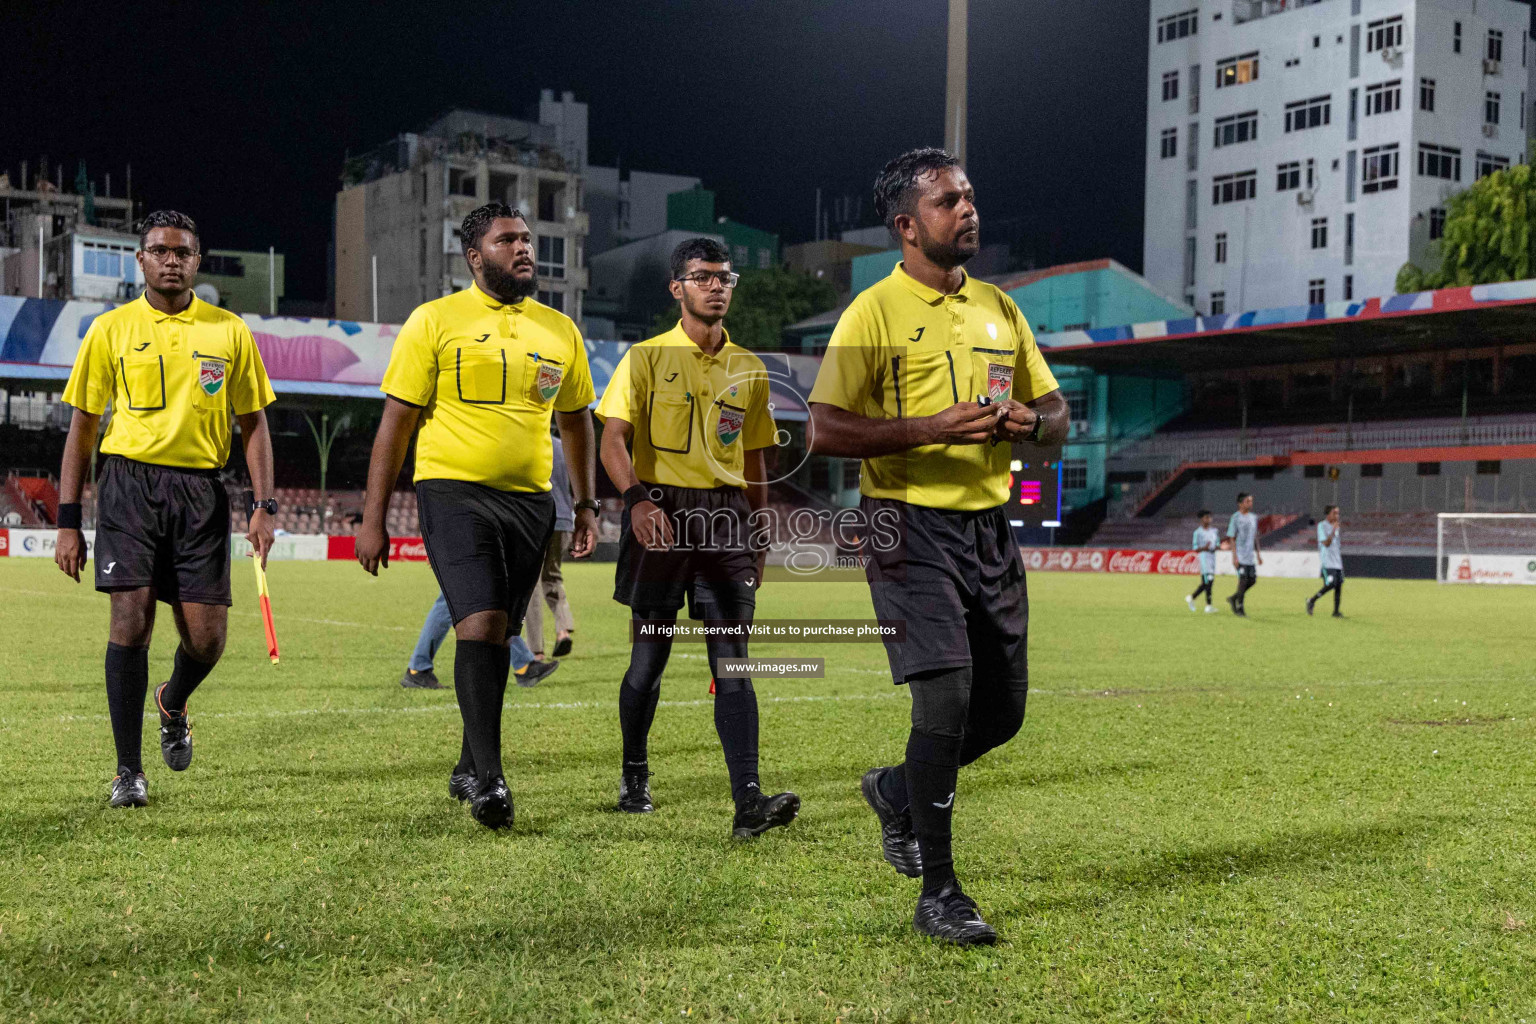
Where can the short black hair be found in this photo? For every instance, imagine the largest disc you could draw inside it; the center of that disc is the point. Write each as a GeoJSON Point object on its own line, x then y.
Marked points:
{"type": "Point", "coordinates": [1327, 509]}
{"type": "Point", "coordinates": [706, 249]}
{"type": "Point", "coordinates": [472, 231]}
{"type": "Point", "coordinates": [898, 180]}
{"type": "Point", "coordinates": [1241, 495]}
{"type": "Point", "coordinates": [168, 219]}
{"type": "Point", "coordinates": [1202, 513]}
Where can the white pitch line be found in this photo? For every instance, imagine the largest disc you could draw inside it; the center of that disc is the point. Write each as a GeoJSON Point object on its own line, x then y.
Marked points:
{"type": "Point", "coordinates": [233, 611]}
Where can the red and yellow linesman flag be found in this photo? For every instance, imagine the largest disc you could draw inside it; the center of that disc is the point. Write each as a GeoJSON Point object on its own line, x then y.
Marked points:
{"type": "Point", "coordinates": [266, 608]}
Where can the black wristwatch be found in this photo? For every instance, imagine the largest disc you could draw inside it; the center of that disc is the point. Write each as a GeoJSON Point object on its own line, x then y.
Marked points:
{"type": "Point", "coordinates": [591, 503]}
{"type": "Point", "coordinates": [1034, 435]}
{"type": "Point", "coordinates": [270, 505]}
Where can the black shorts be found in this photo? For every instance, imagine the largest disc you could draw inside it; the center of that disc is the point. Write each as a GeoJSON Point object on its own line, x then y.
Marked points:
{"type": "Point", "coordinates": [1248, 573]}
{"type": "Point", "coordinates": [1332, 577]}
{"type": "Point", "coordinates": [162, 527]}
{"type": "Point", "coordinates": [957, 580]}
{"type": "Point", "coordinates": [486, 546]}
{"type": "Point", "coordinates": [710, 552]}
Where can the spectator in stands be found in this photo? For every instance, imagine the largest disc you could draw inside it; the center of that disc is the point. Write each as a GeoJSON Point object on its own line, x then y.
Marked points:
{"type": "Point", "coordinates": [551, 588]}
{"type": "Point", "coordinates": [1206, 541]}
{"type": "Point", "coordinates": [1331, 552]}
{"type": "Point", "coordinates": [1243, 532]}
{"type": "Point", "coordinates": [419, 674]}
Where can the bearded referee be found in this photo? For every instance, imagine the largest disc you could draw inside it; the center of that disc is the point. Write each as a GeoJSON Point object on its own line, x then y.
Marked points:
{"type": "Point", "coordinates": [685, 422]}
{"type": "Point", "coordinates": [482, 371]}
{"type": "Point", "coordinates": [174, 369]}
{"type": "Point", "coordinates": [929, 377]}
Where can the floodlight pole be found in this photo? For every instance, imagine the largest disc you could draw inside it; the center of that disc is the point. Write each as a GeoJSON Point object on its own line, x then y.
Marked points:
{"type": "Point", "coordinates": [954, 88]}
{"type": "Point", "coordinates": [375, 288]}
{"type": "Point", "coordinates": [272, 280]}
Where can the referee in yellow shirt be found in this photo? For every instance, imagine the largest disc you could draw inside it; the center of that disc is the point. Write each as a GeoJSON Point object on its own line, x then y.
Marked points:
{"type": "Point", "coordinates": [482, 371]}
{"type": "Point", "coordinates": [174, 369]}
{"type": "Point", "coordinates": [693, 406]}
{"type": "Point", "coordinates": [929, 377]}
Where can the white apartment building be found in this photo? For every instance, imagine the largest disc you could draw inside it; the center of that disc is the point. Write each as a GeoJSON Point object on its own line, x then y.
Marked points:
{"type": "Point", "coordinates": [1301, 151]}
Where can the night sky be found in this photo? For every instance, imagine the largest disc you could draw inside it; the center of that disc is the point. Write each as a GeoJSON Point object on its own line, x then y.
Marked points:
{"type": "Point", "coordinates": [243, 119]}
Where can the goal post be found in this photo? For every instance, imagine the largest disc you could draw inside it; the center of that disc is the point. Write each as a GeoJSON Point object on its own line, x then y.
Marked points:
{"type": "Point", "coordinates": [1485, 547]}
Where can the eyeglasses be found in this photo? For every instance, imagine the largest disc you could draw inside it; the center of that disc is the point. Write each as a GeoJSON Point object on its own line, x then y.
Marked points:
{"type": "Point", "coordinates": [702, 278]}
{"type": "Point", "coordinates": [163, 254]}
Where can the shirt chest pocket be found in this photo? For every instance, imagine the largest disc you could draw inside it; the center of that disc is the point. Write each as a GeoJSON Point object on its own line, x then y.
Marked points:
{"type": "Point", "coordinates": [485, 376]}
{"type": "Point", "coordinates": [669, 420]}
{"type": "Point", "coordinates": [992, 371]}
{"type": "Point", "coordinates": [211, 383]}
{"type": "Point", "coordinates": [143, 382]}
{"type": "Point", "coordinates": [924, 382]}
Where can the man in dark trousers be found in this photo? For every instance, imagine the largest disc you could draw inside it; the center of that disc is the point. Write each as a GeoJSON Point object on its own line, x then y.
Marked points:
{"type": "Point", "coordinates": [930, 377]}
{"type": "Point", "coordinates": [685, 422]}
{"type": "Point", "coordinates": [483, 370]}
{"type": "Point", "coordinates": [175, 370]}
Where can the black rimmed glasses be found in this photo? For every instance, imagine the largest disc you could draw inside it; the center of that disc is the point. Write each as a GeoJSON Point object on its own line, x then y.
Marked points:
{"type": "Point", "coordinates": [164, 253]}
{"type": "Point", "coordinates": [702, 278]}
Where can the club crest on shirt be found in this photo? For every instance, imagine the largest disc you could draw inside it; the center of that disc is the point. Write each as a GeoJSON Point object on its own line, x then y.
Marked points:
{"type": "Point", "coordinates": [210, 376]}
{"type": "Point", "coordinates": [999, 381]}
{"type": "Point", "coordinates": [729, 427]}
{"type": "Point", "coordinates": [547, 383]}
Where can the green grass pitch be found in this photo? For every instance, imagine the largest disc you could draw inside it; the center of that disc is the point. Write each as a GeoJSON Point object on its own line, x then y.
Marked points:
{"type": "Point", "coordinates": [1204, 819]}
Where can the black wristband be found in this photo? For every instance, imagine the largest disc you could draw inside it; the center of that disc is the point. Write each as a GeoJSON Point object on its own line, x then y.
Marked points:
{"type": "Point", "coordinates": [69, 515]}
{"type": "Point", "coordinates": [636, 494]}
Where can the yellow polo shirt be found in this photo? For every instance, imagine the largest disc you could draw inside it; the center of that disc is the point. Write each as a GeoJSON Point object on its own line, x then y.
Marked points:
{"type": "Point", "coordinates": [172, 380]}
{"type": "Point", "coordinates": [694, 415]}
{"type": "Point", "coordinates": [489, 375]}
{"type": "Point", "coordinates": [904, 349]}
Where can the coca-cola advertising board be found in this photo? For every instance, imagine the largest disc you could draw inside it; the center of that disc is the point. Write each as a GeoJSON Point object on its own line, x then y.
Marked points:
{"type": "Point", "coordinates": [1293, 564]}
{"type": "Point", "coordinates": [401, 549]}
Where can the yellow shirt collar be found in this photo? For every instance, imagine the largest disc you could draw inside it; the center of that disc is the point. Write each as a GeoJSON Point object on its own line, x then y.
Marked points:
{"type": "Point", "coordinates": [678, 336]}
{"type": "Point", "coordinates": [186, 316]}
{"type": "Point", "coordinates": [494, 303]}
{"type": "Point", "coordinates": [932, 296]}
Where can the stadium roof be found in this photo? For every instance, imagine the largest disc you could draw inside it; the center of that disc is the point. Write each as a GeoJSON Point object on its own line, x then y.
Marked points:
{"type": "Point", "coordinates": [1451, 318]}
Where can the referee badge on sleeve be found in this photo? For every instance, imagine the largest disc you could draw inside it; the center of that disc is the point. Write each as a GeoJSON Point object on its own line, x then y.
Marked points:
{"type": "Point", "coordinates": [999, 381]}
{"type": "Point", "coordinates": [729, 427]}
{"type": "Point", "coordinates": [547, 381]}
{"type": "Point", "coordinates": [210, 376]}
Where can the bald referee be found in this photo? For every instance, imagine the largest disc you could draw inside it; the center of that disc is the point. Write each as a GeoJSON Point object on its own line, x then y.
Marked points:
{"type": "Point", "coordinates": [174, 370]}
{"type": "Point", "coordinates": [482, 371]}
{"type": "Point", "coordinates": [929, 377]}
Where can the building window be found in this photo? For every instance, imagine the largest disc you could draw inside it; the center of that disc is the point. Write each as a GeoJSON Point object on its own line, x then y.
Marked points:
{"type": "Point", "coordinates": [1489, 467]}
{"type": "Point", "coordinates": [1426, 469]}
{"type": "Point", "coordinates": [1170, 85]}
{"type": "Point", "coordinates": [1074, 474]}
{"type": "Point", "coordinates": [1349, 287]}
{"type": "Point", "coordinates": [1081, 325]}
{"type": "Point", "coordinates": [1237, 128]}
{"type": "Point", "coordinates": [1491, 108]}
{"type": "Point", "coordinates": [1194, 88]}
{"type": "Point", "coordinates": [764, 259]}
{"type": "Point", "coordinates": [1077, 406]}
{"type": "Point", "coordinates": [1349, 250]}
{"type": "Point", "coordinates": [1237, 70]}
{"type": "Point", "coordinates": [1170, 143]}
{"type": "Point", "coordinates": [1495, 44]}
{"type": "Point", "coordinates": [1427, 94]}
{"type": "Point", "coordinates": [741, 256]}
{"type": "Point", "coordinates": [1488, 164]}
{"type": "Point", "coordinates": [1189, 264]}
{"type": "Point", "coordinates": [1234, 188]}
{"type": "Point", "coordinates": [1384, 97]}
{"type": "Point", "coordinates": [1192, 146]}
{"type": "Point", "coordinates": [1384, 33]}
{"type": "Point", "coordinates": [1522, 109]}
{"type": "Point", "coordinates": [222, 266]}
{"type": "Point", "coordinates": [1288, 176]}
{"type": "Point", "coordinates": [1221, 247]}
{"type": "Point", "coordinates": [554, 300]}
{"type": "Point", "coordinates": [1218, 303]}
{"type": "Point", "coordinates": [1319, 232]}
{"type": "Point", "coordinates": [1178, 26]}
{"type": "Point", "coordinates": [1316, 292]}
{"type": "Point", "coordinates": [1304, 114]}
{"type": "Point", "coordinates": [461, 182]}
{"type": "Point", "coordinates": [551, 263]}
{"type": "Point", "coordinates": [1191, 204]}
{"type": "Point", "coordinates": [551, 201]}
{"type": "Point", "coordinates": [1370, 469]}
{"type": "Point", "coordinates": [1456, 38]}
{"type": "Point", "coordinates": [1439, 161]}
{"type": "Point", "coordinates": [102, 260]}
{"type": "Point", "coordinates": [1436, 223]}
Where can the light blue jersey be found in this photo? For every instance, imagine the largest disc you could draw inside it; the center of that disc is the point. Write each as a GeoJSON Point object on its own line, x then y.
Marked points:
{"type": "Point", "coordinates": [1243, 529]}
{"type": "Point", "coordinates": [1205, 541]}
{"type": "Point", "coordinates": [1332, 553]}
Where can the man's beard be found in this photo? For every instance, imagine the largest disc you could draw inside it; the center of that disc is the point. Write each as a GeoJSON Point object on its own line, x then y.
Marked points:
{"type": "Point", "coordinates": [507, 286]}
{"type": "Point", "coordinates": [945, 254]}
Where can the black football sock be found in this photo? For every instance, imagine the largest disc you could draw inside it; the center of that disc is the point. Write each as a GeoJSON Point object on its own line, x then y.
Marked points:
{"type": "Point", "coordinates": [466, 765]}
{"type": "Point", "coordinates": [479, 681]}
{"type": "Point", "coordinates": [1338, 592]}
{"type": "Point", "coordinates": [736, 722]}
{"type": "Point", "coordinates": [637, 709]}
{"type": "Point", "coordinates": [186, 677]}
{"type": "Point", "coordinates": [127, 685]}
{"type": "Point", "coordinates": [933, 764]}
{"type": "Point", "coordinates": [893, 786]}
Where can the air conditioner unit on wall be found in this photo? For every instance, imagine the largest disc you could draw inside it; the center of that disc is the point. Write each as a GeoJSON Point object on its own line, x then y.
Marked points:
{"type": "Point", "coordinates": [1491, 130]}
{"type": "Point", "coordinates": [1305, 197]}
{"type": "Point", "coordinates": [1490, 66]}
{"type": "Point", "coordinates": [1390, 53]}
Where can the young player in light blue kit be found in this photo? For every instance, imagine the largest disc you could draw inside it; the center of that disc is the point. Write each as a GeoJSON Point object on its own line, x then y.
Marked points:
{"type": "Point", "coordinates": [1206, 541]}
{"type": "Point", "coordinates": [1330, 550]}
{"type": "Point", "coordinates": [1243, 530]}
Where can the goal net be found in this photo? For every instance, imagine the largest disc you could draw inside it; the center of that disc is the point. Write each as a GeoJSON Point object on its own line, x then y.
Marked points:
{"type": "Point", "coordinates": [1486, 547]}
